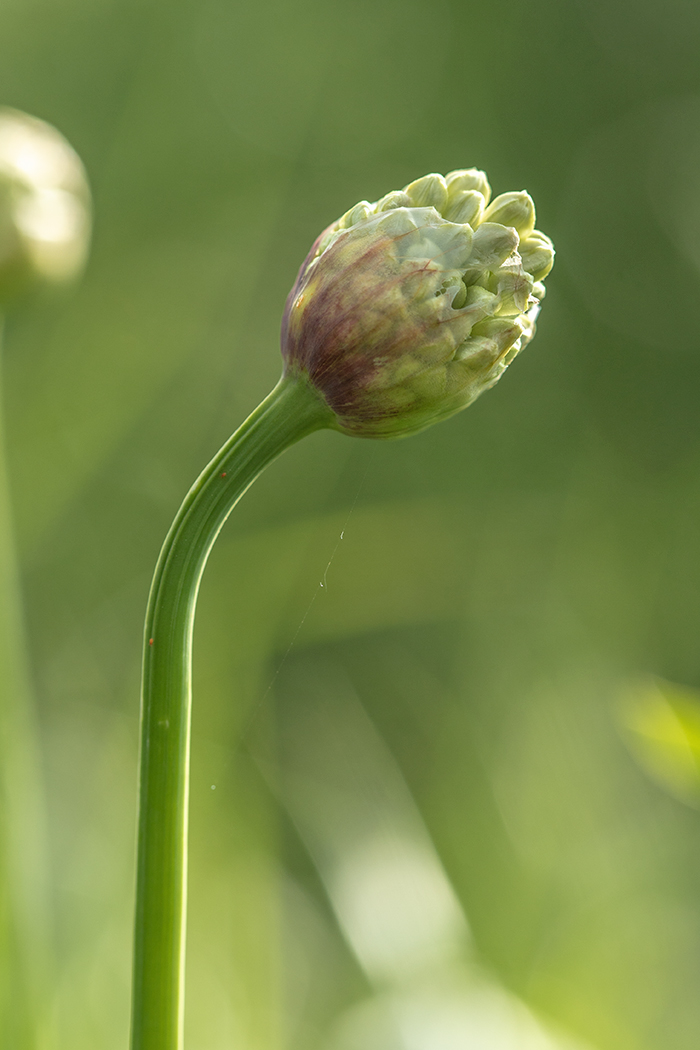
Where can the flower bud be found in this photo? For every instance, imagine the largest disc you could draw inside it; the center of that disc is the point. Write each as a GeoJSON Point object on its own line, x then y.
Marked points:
{"type": "Point", "coordinates": [465, 206]}
{"type": "Point", "coordinates": [513, 209]}
{"type": "Point", "coordinates": [468, 179]}
{"type": "Point", "coordinates": [44, 206]}
{"type": "Point", "coordinates": [489, 340]}
{"type": "Point", "coordinates": [491, 246]}
{"type": "Point", "coordinates": [430, 191]}
{"type": "Point", "coordinates": [395, 199]}
{"type": "Point", "coordinates": [356, 214]}
{"type": "Point", "coordinates": [513, 286]}
{"type": "Point", "coordinates": [404, 311]}
{"type": "Point", "coordinates": [537, 253]}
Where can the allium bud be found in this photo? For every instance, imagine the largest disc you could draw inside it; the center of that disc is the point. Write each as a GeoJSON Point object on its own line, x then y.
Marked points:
{"type": "Point", "coordinates": [537, 253]}
{"type": "Point", "coordinates": [405, 310]}
{"type": "Point", "coordinates": [44, 206]}
{"type": "Point", "coordinates": [513, 209]}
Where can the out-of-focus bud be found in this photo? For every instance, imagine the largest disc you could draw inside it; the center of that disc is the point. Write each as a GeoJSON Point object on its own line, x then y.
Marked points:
{"type": "Point", "coordinates": [44, 206]}
{"type": "Point", "coordinates": [405, 310]}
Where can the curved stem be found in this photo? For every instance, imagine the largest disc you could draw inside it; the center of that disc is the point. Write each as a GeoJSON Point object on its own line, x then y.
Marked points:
{"type": "Point", "coordinates": [291, 411]}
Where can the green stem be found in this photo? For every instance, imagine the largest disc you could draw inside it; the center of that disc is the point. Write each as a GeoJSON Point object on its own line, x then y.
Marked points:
{"type": "Point", "coordinates": [290, 412]}
{"type": "Point", "coordinates": [24, 933]}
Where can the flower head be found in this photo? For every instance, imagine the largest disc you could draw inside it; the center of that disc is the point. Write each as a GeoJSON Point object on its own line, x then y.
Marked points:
{"type": "Point", "coordinates": [44, 206]}
{"type": "Point", "coordinates": [405, 310]}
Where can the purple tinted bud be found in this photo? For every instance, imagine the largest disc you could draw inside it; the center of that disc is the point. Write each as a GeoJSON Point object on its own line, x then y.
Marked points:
{"type": "Point", "coordinates": [386, 318]}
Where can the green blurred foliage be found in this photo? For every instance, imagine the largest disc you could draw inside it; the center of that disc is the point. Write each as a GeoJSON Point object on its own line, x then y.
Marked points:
{"type": "Point", "coordinates": [500, 579]}
{"type": "Point", "coordinates": [661, 723]}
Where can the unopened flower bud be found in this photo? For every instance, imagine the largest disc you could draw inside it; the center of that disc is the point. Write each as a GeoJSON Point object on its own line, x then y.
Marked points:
{"type": "Point", "coordinates": [537, 253]}
{"type": "Point", "coordinates": [491, 246]}
{"type": "Point", "coordinates": [468, 179]}
{"type": "Point", "coordinates": [513, 209]}
{"type": "Point", "coordinates": [465, 206]}
{"type": "Point", "coordinates": [44, 206]}
{"type": "Point", "coordinates": [395, 199]}
{"type": "Point", "coordinates": [430, 191]}
{"type": "Point", "coordinates": [356, 214]}
{"type": "Point", "coordinates": [513, 286]}
{"type": "Point", "coordinates": [488, 342]}
{"type": "Point", "coordinates": [402, 315]}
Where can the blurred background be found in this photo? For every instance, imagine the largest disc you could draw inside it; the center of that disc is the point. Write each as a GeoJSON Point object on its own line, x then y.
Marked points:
{"type": "Point", "coordinates": [448, 801]}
